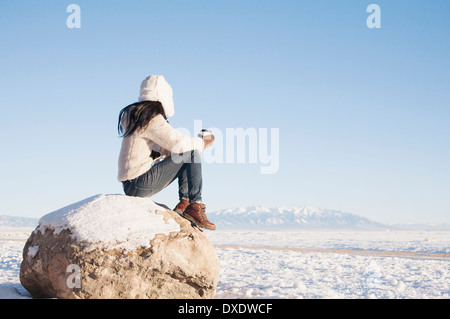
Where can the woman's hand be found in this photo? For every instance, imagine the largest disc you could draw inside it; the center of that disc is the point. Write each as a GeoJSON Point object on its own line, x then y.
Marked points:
{"type": "Point", "coordinates": [208, 140]}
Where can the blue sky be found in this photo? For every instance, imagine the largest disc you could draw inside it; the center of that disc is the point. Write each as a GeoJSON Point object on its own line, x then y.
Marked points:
{"type": "Point", "coordinates": [363, 113]}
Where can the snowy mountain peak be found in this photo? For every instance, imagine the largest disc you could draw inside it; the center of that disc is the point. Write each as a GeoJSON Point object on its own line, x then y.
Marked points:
{"type": "Point", "coordinates": [289, 218]}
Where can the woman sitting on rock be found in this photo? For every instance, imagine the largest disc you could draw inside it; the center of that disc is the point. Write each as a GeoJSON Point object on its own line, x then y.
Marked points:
{"type": "Point", "coordinates": [154, 154]}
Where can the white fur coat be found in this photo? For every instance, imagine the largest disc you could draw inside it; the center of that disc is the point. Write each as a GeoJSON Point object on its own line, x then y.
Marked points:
{"type": "Point", "coordinates": [134, 158]}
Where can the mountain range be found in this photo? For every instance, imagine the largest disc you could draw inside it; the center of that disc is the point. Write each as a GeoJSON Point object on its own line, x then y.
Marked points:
{"type": "Point", "coordinates": [15, 221]}
{"type": "Point", "coordinates": [289, 218]}
{"type": "Point", "coordinates": [302, 218]}
{"type": "Point", "coordinates": [281, 218]}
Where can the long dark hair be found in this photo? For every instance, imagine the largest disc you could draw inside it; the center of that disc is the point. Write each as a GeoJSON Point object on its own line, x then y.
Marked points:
{"type": "Point", "coordinates": [137, 116]}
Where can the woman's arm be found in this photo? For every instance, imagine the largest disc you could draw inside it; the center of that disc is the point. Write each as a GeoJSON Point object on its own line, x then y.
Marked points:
{"type": "Point", "coordinates": [163, 134]}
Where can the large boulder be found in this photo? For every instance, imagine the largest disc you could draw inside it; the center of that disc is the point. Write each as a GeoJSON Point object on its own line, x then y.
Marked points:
{"type": "Point", "coordinates": [115, 246]}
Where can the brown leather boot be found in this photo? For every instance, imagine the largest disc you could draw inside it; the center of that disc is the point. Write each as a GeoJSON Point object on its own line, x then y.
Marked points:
{"type": "Point", "coordinates": [196, 212]}
{"type": "Point", "coordinates": [181, 206]}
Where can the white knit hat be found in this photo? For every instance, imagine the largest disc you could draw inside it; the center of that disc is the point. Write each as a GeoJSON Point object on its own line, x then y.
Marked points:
{"type": "Point", "coordinates": [156, 88]}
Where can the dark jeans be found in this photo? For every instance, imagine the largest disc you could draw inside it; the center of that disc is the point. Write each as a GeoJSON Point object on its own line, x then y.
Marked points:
{"type": "Point", "coordinates": [186, 167]}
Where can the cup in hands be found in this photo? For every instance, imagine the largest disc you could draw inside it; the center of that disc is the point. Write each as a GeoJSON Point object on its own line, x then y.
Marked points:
{"type": "Point", "coordinates": [207, 137]}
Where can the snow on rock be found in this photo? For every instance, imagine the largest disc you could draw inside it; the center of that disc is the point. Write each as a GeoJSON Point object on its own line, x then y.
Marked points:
{"type": "Point", "coordinates": [32, 251]}
{"type": "Point", "coordinates": [114, 221]}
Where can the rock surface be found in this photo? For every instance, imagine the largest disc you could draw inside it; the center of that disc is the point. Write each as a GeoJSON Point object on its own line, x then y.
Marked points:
{"type": "Point", "coordinates": [99, 248]}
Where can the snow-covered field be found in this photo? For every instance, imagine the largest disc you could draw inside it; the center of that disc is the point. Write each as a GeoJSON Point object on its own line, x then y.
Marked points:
{"type": "Point", "coordinates": [249, 270]}
{"type": "Point", "coordinates": [269, 273]}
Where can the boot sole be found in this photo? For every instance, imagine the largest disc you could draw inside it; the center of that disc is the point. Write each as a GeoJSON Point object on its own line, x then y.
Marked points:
{"type": "Point", "coordinates": [192, 219]}
{"type": "Point", "coordinates": [179, 212]}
